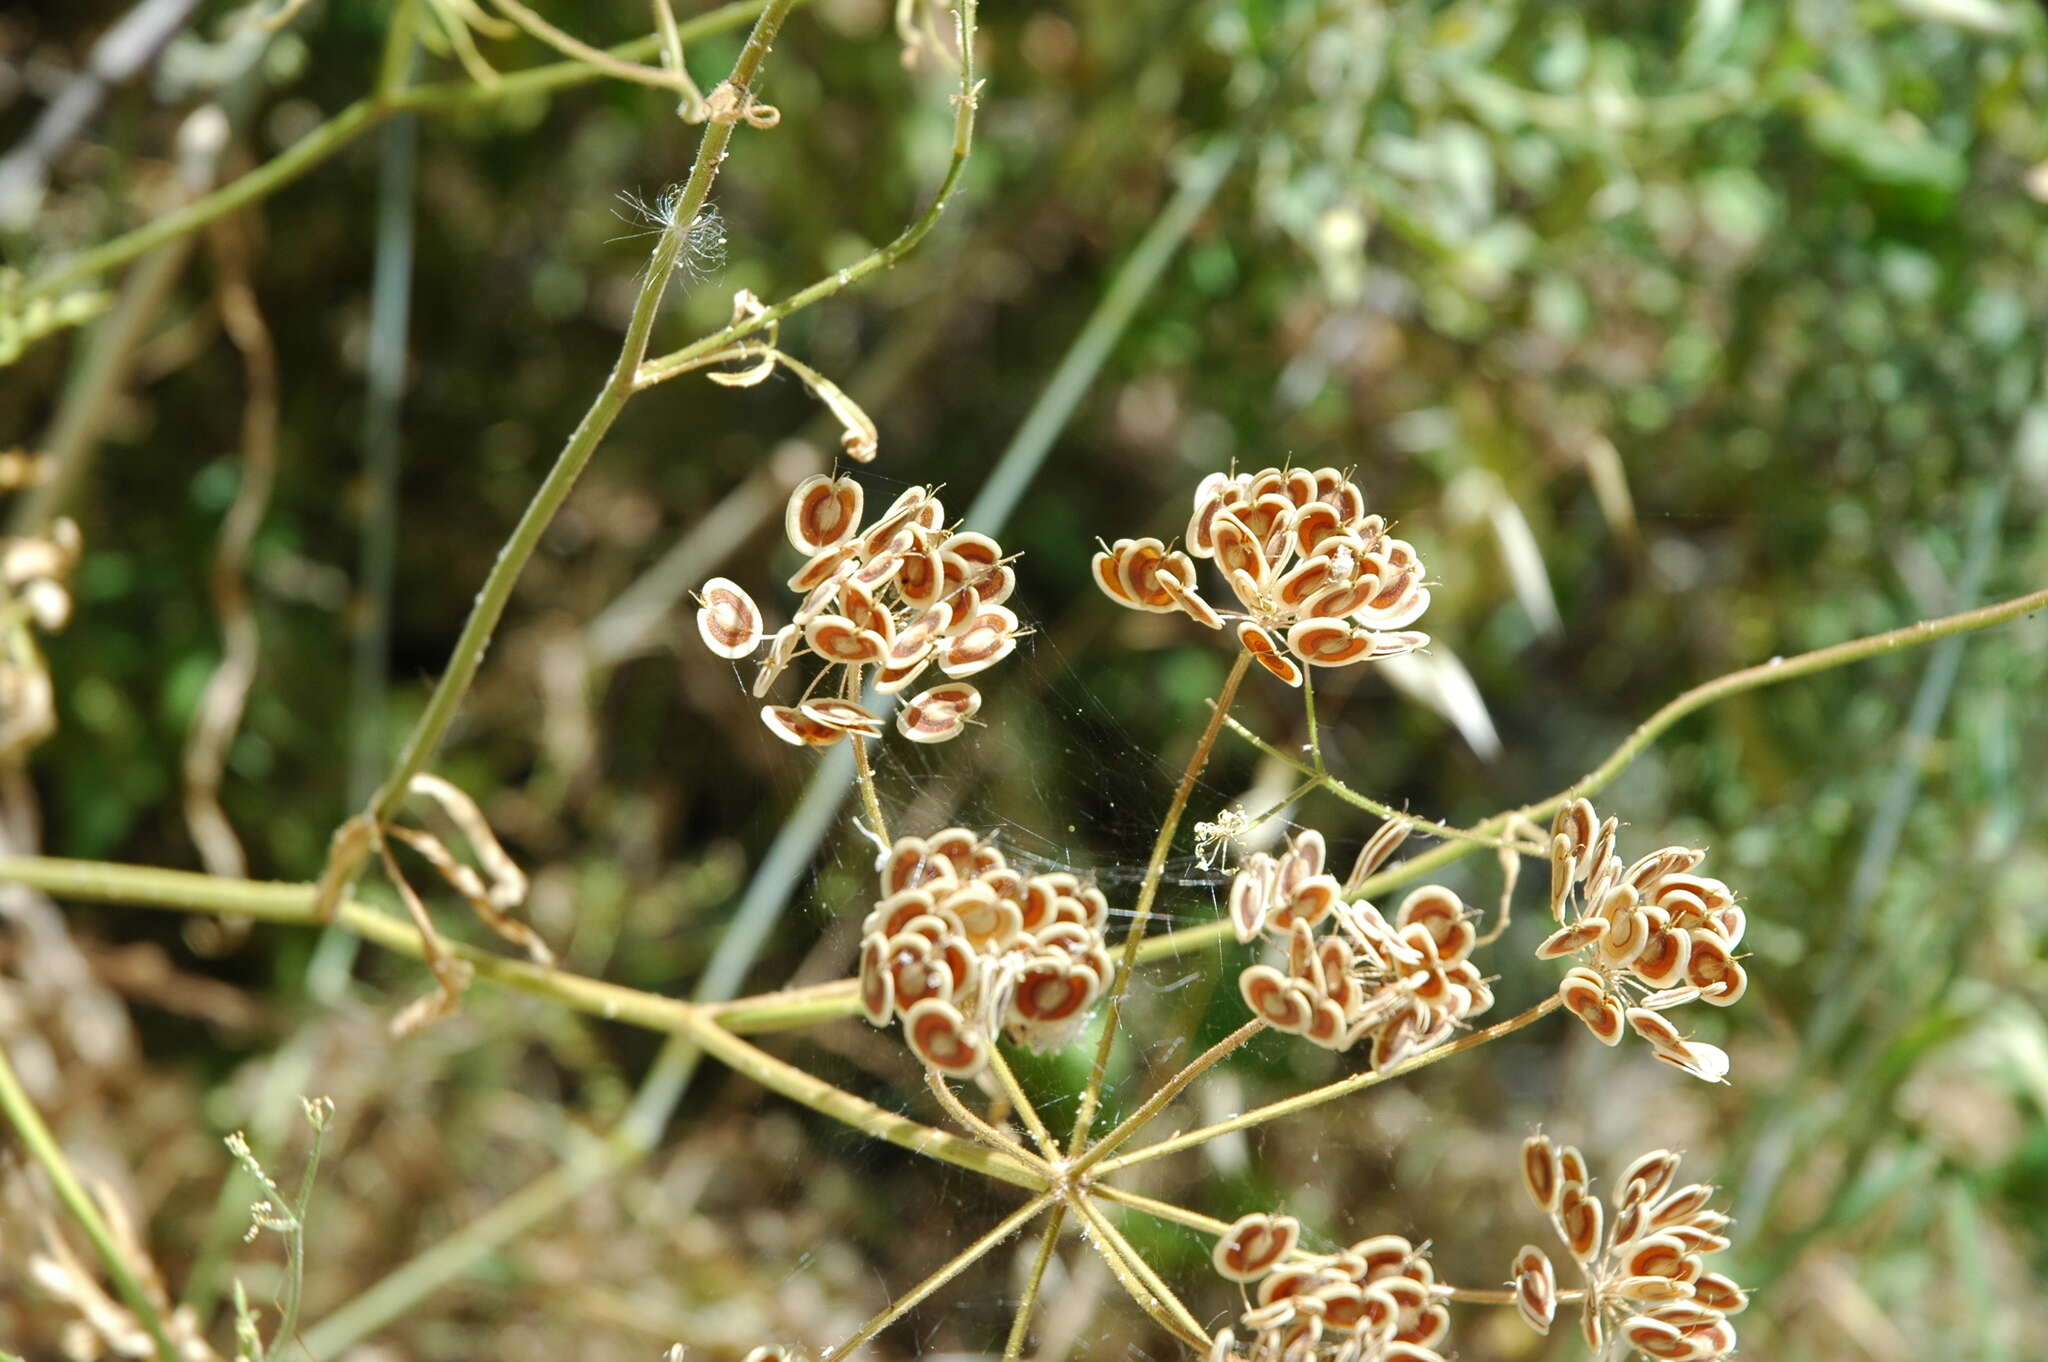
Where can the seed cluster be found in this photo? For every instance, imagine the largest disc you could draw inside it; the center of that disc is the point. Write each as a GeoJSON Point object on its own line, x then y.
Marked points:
{"type": "Point", "coordinates": [1649, 937]}
{"type": "Point", "coordinates": [1405, 984]}
{"type": "Point", "coordinates": [1373, 1302]}
{"type": "Point", "coordinates": [904, 594]}
{"type": "Point", "coordinates": [1646, 1287]}
{"type": "Point", "coordinates": [1305, 561]}
{"type": "Point", "coordinates": [962, 946]}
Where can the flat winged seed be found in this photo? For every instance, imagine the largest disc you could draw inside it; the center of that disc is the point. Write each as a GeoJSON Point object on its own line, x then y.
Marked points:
{"type": "Point", "coordinates": [823, 513]}
{"type": "Point", "coordinates": [728, 620]}
{"type": "Point", "coordinates": [1254, 1245]}
{"type": "Point", "coordinates": [1108, 568]}
{"type": "Point", "coordinates": [838, 639]}
{"type": "Point", "coordinates": [938, 714]}
{"type": "Point", "coordinates": [1540, 1172]}
{"type": "Point", "coordinates": [845, 715]}
{"type": "Point", "coordinates": [798, 729]}
{"type": "Point", "coordinates": [1329, 643]}
{"type": "Point", "coordinates": [1535, 1288]}
{"type": "Point", "coordinates": [991, 637]}
{"type": "Point", "coordinates": [943, 1039]}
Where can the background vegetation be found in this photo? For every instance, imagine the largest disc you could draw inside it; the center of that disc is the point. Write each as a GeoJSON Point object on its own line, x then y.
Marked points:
{"type": "Point", "coordinates": [1675, 337]}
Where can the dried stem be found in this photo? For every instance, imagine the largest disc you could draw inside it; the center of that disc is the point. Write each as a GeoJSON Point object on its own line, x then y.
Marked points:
{"type": "Point", "coordinates": [1091, 1096]}
{"type": "Point", "coordinates": [1330, 1092]}
{"type": "Point", "coordinates": [1163, 1210]}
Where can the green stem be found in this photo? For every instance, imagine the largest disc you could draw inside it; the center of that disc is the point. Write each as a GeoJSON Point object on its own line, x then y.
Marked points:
{"type": "Point", "coordinates": [42, 1146]}
{"type": "Point", "coordinates": [1330, 1092]}
{"type": "Point", "coordinates": [1013, 1347]}
{"type": "Point", "coordinates": [337, 132]}
{"type": "Point", "coordinates": [1141, 913]}
{"type": "Point", "coordinates": [1684, 705]}
{"type": "Point", "coordinates": [475, 638]}
{"type": "Point", "coordinates": [682, 361]}
{"type": "Point", "coordinates": [1139, 1278]}
{"type": "Point", "coordinates": [953, 1267]}
{"type": "Point", "coordinates": [1172, 1088]}
{"type": "Point", "coordinates": [186, 891]}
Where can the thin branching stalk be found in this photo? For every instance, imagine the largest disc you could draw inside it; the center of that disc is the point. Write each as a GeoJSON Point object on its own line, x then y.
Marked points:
{"type": "Point", "coordinates": [1690, 702]}
{"type": "Point", "coordinates": [979, 1127]}
{"type": "Point", "coordinates": [1330, 1092]}
{"type": "Point", "coordinates": [1021, 1100]}
{"type": "Point", "coordinates": [673, 79]}
{"type": "Point", "coordinates": [1048, 1241]}
{"type": "Point", "coordinates": [953, 1267]}
{"type": "Point", "coordinates": [42, 1146]}
{"type": "Point", "coordinates": [475, 639]}
{"type": "Point", "coordinates": [1163, 1210]}
{"type": "Point", "coordinates": [682, 361]}
{"type": "Point", "coordinates": [329, 138]}
{"type": "Point", "coordinates": [1172, 1088]}
{"type": "Point", "coordinates": [1315, 777]}
{"type": "Point", "coordinates": [1141, 912]}
{"type": "Point", "coordinates": [1138, 1276]}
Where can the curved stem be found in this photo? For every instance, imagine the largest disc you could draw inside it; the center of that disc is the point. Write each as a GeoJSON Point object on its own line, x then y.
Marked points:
{"type": "Point", "coordinates": [1021, 1100]}
{"type": "Point", "coordinates": [1687, 703]}
{"type": "Point", "coordinates": [1155, 868]}
{"type": "Point", "coordinates": [682, 361]}
{"type": "Point", "coordinates": [1330, 1092]}
{"type": "Point", "coordinates": [977, 1126]}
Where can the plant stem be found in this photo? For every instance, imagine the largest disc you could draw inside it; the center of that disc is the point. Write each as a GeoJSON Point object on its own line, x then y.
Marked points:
{"type": "Point", "coordinates": [1344, 792]}
{"type": "Point", "coordinates": [977, 1126]}
{"type": "Point", "coordinates": [1021, 1100]}
{"type": "Point", "coordinates": [1172, 1088]}
{"type": "Point", "coordinates": [1020, 1327]}
{"type": "Point", "coordinates": [1139, 1278]}
{"type": "Point", "coordinates": [475, 638]}
{"type": "Point", "coordinates": [1330, 1092]}
{"type": "Point", "coordinates": [954, 1266]}
{"type": "Point", "coordinates": [42, 1147]}
{"type": "Point", "coordinates": [682, 361]}
{"type": "Point", "coordinates": [1155, 868]}
{"type": "Point", "coordinates": [337, 132]}
{"type": "Point", "coordinates": [1682, 706]}
{"type": "Point", "coordinates": [1164, 1210]}
{"type": "Point", "coordinates": [185, 891]}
